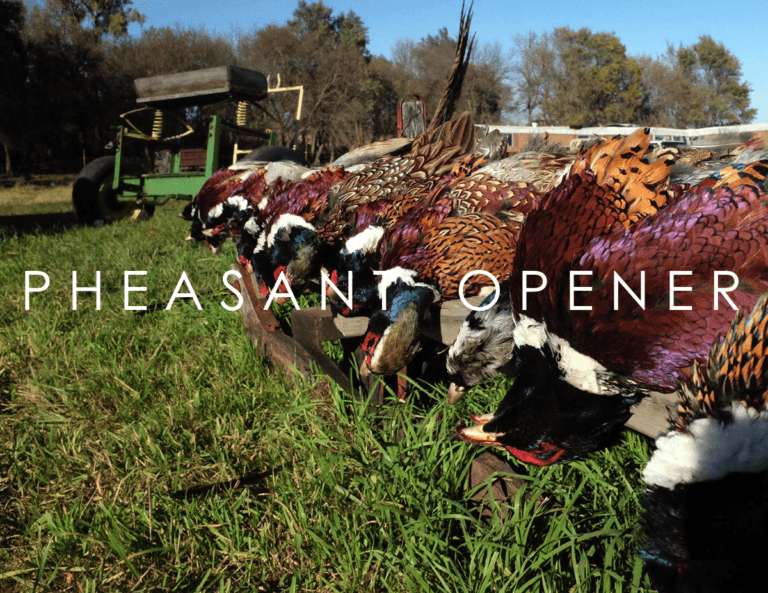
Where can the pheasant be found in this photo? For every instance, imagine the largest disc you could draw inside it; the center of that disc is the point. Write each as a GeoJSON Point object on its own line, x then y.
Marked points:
{"type": "Point", "coordinates": [277, 231]}
{"type": "Point", "coordinates": [705, 513]}
{"type": "Point", "coordinates": [447, 252]}
{"type": "Point", "coordinates": [282, 236]}
{"type": "Point", "coordinates": [539, 170]}
{"type": "Point", "coordinates": [582, 362]}
{"type": "Point", "coordinates": [466, 223]}
{"type": "Point", "coordinates": [382, 244]}
{"type": "Point", "coordinates": [384, 190]}
{"type": "Point", "coordinates": [226, 199]}
{"type": "Point", "coordinates": [740, 171]}
{"type": "Point", "coordinates": [624, 186]}
{"type": "Point", "coordinates": [230, 196]}
{"type": "Point", "coordinates": [463, 249]}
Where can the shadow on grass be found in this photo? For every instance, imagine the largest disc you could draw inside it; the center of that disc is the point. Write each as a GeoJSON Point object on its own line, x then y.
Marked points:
{"type": "Point", "coordinates": [49, 224]}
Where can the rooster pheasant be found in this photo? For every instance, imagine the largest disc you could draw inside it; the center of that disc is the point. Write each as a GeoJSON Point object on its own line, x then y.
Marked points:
{"type": "Point", "coordinates": [706, 510]}
{"type": "Point", "coordinates": [581, 362]}
{"type": "Point", "coordinates": [624, 187]}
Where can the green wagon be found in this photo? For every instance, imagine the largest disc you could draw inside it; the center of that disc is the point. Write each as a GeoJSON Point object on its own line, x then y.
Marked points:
{"type": "Point", "coordinates": [114, 187]}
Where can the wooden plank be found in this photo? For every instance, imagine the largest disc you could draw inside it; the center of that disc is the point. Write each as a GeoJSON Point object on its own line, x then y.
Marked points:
{"type": "Point", "coordinates": [445, 321]}
{"type": "Point", "coordinates": [264, 330]}
{"type": "Point", "coordinates": [303, 347]}
{"type": "Point", "coordinates": [651, 416]}
{"type": "Point", "coordinates": [503, 484]}
{"type": "Point", "coordinates": [307, 326]}
{"type": "Point", "coordinates": [200, 87]}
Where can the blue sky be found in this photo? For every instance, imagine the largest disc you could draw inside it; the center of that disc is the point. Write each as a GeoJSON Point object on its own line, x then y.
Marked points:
{"type": "Point", "coordinates": [644, 27]}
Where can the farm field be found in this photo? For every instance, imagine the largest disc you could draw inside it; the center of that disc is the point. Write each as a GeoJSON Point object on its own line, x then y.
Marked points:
{"type": "Point", "coordinates": [115, 423]}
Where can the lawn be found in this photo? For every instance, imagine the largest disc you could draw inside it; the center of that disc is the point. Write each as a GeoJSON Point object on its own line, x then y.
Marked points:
{"type": "Point", "coordinates": [113, 421]}
{"type": "Point", "coordinates": [42, 197]}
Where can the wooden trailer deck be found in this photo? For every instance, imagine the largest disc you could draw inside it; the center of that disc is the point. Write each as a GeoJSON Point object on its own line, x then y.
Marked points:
{"type": "Point", "coordinates": [201, 87]}
{"type": "Point", "coordinates": [310, 327]}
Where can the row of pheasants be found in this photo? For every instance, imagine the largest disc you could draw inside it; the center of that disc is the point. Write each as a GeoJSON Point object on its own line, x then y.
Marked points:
{"type": "Point", "coordinates": [410, 225]}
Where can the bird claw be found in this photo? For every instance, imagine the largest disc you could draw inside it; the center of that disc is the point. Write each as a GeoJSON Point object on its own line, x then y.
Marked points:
{"type": "Point", "coordinates": [455, 393]}
{"type": "Point", "coordinates": [476, 434]}
{"type": "Point", "coordinates": [484, 419]}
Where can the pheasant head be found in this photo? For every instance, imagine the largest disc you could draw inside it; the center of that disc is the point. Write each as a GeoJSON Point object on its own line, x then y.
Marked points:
{"type": "Point", "coordinates": [393, 335]}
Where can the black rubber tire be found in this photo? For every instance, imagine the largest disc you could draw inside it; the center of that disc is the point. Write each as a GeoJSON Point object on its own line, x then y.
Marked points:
{"type": "Point", "coordinates": [272, 154]}
{"type": "Point", "coordinates": [93, 198]}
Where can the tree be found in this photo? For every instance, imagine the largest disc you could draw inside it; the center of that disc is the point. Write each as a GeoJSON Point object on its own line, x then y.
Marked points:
{"type": "Point", "coordinates": [380, 98]}
{"type": "Point", "coordinates": [327, 55]}
{"type": "Point", "coordinates": [423, 68]}
{"type": "Point", "coordinates": [486, 94]}
{"type": "Point", "coordinates": [99, 18]}
{"type": "Point", "coordinates": [13, 75]}
{"type": "Point", "coordinates": [594, 82]}
{"type": "Point", "coordinates": [668, 95]}
{"type": "Point", "coordinates": [533, 71]}
{"type": "Point", "coordinates": [168, 50]}
{"type": "Point", "coordinates": [695, 86]}
{"type": "Point", "coordinates": [67, 76]}
{"type": "Point", "coordinates": [714, 74]}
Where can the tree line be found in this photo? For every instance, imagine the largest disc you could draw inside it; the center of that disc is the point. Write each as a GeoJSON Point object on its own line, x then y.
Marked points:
{"type": "Point", "coordinates": [68, 68]}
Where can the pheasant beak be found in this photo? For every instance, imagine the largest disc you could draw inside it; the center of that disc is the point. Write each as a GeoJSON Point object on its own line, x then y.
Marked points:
{"type": "Point", "coordinates": [365, 369]}
{"type": "Point", "coordinates": [455, 393]}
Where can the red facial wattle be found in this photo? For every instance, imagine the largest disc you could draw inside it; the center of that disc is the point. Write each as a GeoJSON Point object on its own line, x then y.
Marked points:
{"type": "Point", "coordinates": [369, 343]}
{"type": "Point", "coordinates": [545, 454]}
{"type": "Point", "coordinates": [334, 278]}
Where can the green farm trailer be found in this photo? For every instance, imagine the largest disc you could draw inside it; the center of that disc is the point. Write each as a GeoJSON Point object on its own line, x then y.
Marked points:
{"type": "Point", "coordinates": [114, 187]}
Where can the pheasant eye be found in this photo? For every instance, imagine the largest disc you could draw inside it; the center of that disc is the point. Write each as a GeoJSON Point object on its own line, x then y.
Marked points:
{"type": "Point", "coordinates": [278, 271]}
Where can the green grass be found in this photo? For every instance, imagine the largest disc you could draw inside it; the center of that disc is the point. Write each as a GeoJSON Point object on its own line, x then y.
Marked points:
{"type": "Point", "coordinates": [35, 199]}
{"type": "Point", "coordinates": [104, 415]}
